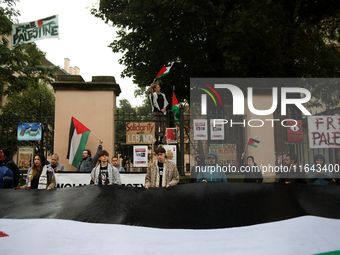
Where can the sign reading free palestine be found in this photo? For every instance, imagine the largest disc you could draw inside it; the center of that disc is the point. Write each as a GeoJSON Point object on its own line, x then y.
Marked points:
{"type": "Point", "coordinates": [32, 31]}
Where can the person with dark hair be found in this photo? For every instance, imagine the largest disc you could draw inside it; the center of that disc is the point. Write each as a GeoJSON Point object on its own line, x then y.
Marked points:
{"type": "Point", "coordinates": [11, 165]}
{"type": "Point", "coordinates": [104, 173]}
{"type": "Point", "coordinates": [158, 104]}
{"type": "Point", "coordinates": [87, 163]}
{"type": "Point", "coordinates": [252, 173]}
{"type": "Point", "coordinates": [319, 172]}
{"type": "Point", "coordinates": [200, 163]}
{"type": "Point", "coordinates": [40, 175]}
{"type": "Point", "coordinates": [294, 174]}
{"type": "Point", "coordinates": [211, 172]}
{"type": "Point", "coordinates": [114, 161]}
{"type": "Point", "coordinates": [162, 172]}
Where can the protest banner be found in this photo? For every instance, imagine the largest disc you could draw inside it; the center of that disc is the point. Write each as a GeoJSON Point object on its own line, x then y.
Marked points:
{"type": "Point", "coordinates": [140, 132]}
{"type": "Point", "coordinates": [227, 154]}
{"type": "Point", "coordinates": [74, 179]}
{"type": "Point", "coordinates": [295, 132]}
{"type": "Point", "coordinates": [32, 31]}
{"type": "Point", "coordinates": [324, 131]}
{"type": "Point", "coordinates": [140, 156]}
{"type": "Point", "coordinates": [200, 129]}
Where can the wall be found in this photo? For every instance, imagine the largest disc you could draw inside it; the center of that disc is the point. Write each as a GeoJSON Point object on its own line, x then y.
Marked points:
{"type": "Point", "coordinates": [265, 153]}
{"type": "Point", "coordinates": [91, 103]}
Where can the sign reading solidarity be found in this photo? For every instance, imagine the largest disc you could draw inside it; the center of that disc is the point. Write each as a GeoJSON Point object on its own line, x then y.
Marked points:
{"type": "Point", "coordinates": [140, 132]}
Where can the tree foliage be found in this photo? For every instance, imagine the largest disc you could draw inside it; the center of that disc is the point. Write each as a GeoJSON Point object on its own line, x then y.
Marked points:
{"type": "Point", "coordinates": [7, 15]}
{"type": "Point", "coordinates": [224, 38]}
{"type": "Point", "coordinates": [37, 100]}
{"type": "Point", "coordinates": [20, 66]}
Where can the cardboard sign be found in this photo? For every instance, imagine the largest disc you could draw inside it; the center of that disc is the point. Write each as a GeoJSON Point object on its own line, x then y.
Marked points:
{"type": "Point", "coordinates": [324, 131]}
{"type": "Point", "coordinates": [140, 132]}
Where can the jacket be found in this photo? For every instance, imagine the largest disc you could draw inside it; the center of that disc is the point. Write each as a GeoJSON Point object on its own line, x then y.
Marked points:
{"type": "Point", "coordinates": [120, 168]}
{"type": "Point", "coordinates": [86, 165]}
{"type": "Point", "coordinates": [206, 172]}
{"type": "Point", "coordinates": [254, 173]}
{"type": "Point", "coordinates": [59, 166]}
{"type": "Point", "coordinates": [50, 182]}
{"type": "Point", "coordinates": [170, 175]}
{"type": "Point", "coordinates": [320, 179]}
{"type": "Point", "coordinates": [154, 103]}
{"type": "Point", "coordinates": [113, 174]}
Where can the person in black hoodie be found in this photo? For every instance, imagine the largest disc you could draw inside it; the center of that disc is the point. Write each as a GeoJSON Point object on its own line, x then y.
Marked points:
{"type": "Point", "coordinates": [252, 172]}
{"type": "Point", "coordinates": [320, 173]}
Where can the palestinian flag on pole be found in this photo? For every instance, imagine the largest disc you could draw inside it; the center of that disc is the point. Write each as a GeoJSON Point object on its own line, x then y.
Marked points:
{"type": "Point", "coordinates": [252, 142]}
{"type": "Point", "coordinates": [77, 141]}
{"type": "Point", "coordinates": [165, 69]}
{"type": "Point", "coordinates": [175, 107]}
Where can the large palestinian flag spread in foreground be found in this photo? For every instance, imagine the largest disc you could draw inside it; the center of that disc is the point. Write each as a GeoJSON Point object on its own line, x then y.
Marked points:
{"type": "Point", "coordinates": [302, 235]}
{"type": "Point", "coordinates": [77, 141]}
{"type": "Point", "coordinates": [198, 218]}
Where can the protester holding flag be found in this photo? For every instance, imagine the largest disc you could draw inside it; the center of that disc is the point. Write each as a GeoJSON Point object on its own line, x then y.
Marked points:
{"type": "Point", "coordinates": [40, 175]}
{"type": "Point", "coordinates": [252, 172]}
{"type": "Point", "coordinates": [158, 104]}
{"type": "Point", "coordinates": [77, 154]}
{"type": "Point", "coordinates": [87, 163]}
{"type": "Point", "coordinates": [104, 173]}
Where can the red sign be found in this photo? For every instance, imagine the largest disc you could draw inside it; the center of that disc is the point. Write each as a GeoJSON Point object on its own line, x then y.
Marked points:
{"type": "Point", "coordinates": [295, 132]}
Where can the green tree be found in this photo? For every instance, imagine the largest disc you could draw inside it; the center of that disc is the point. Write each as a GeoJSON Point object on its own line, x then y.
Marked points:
{"type": "Point", "coordinates": [39, 99]}
{"type": "Point", "coordinates": [7, 15]}
{"type": "Point", "coordinates": [20, 66]}
{"type": "Point", "coordinates": [224, 38]}
{"type": "Point", "coordinates": [23, 80]}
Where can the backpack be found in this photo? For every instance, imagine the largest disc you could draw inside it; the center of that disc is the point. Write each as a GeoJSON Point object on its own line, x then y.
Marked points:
{"type": "Point", "coordinates": [6, 178]}
{"type": "Point", "coordinates": [16, 173]}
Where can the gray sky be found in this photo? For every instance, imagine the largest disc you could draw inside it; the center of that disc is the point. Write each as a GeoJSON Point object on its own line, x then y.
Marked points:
{"type": "Point", "coordinates": [83, 40]}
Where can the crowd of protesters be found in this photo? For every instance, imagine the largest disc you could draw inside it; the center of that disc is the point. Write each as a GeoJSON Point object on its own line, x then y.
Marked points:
{"type": "Point", "coordinates": [161, 172]}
